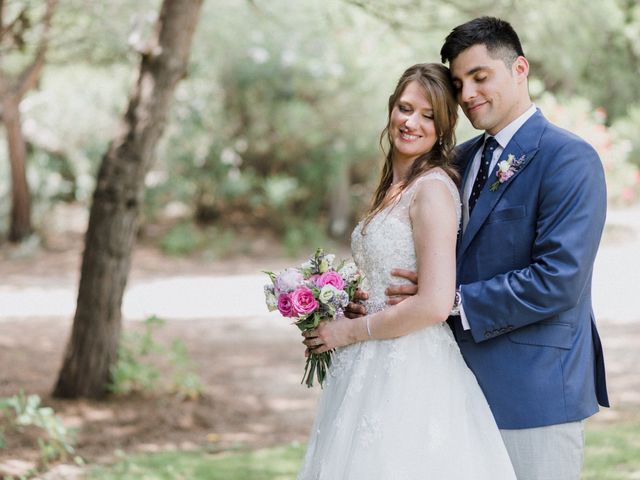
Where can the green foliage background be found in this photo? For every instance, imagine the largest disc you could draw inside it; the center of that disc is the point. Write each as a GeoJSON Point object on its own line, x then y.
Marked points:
{"type": "Point", "coordinates": [285, 102]}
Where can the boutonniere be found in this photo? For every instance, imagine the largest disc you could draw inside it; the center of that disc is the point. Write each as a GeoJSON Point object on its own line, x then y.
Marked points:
{"type": "Point", "coordinates": [506, 169]}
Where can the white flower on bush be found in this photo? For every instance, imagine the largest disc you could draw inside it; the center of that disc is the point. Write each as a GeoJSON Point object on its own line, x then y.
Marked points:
{"type": "Point", "coordinates": [288, 280]}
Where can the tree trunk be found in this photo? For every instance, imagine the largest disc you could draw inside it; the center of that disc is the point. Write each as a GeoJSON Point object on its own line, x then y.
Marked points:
{"type": "Point", "coordinates": [339, 199]}
{"type": "Point", "coordinates": [20, 198]}
{"type": "Point", "coordinates": [113, 221]}
{"type": "Point", "coordinates": [12, 91]}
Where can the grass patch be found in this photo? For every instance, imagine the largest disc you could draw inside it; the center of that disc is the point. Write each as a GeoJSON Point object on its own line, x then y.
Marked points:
{"type": "Point", "coordinates": [612, 453]}
{"type": "Point", "coordinates": [280, 463]}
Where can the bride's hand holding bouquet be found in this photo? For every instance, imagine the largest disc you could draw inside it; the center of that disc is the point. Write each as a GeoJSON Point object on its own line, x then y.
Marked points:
{"type": "Point", "coordinates": [312, 294]}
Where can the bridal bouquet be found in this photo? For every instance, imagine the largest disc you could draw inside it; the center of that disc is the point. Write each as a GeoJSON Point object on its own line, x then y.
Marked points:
{"type": "Point", "coordinates": [311, 293]}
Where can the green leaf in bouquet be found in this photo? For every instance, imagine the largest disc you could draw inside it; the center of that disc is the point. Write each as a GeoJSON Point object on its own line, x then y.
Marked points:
{"type": "Point", "coordinates": [323, 265]}
{"type": "Point", "coordinates": [305, 323]}
{"type": "Point", "coordinates": [312, 370]}
{"type": "Point", "coordinates": [322, 373]}
{"type": "Point", "coordinates": [272, 275]}
{"type": "Point", "coordinates": [330, 309]}
{"type": "Point", "coordinates": [353, 286]}
{"type": "Point", "coordinates": [317, 366]}
{"type": "Point", "coordinates": [316, 260]}
{"type": "Point", "coordinates": [305, 377]}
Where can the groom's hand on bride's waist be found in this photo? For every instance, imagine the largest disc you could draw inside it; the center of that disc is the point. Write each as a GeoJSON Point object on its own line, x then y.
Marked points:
{"type": "Point", "coordinates": [397, 293]}
{"type": "Point", "coordinates": [356, 309]}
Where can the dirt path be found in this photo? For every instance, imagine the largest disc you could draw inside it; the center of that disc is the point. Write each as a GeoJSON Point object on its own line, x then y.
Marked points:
{"type": "Point", "coordinates": [250, 362]}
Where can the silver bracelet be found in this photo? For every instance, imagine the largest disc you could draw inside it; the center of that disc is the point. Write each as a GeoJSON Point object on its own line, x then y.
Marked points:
{"type": "Point", "coordinates": [367, 319]}
{"type": "Point", "coordinates": [455, 310]}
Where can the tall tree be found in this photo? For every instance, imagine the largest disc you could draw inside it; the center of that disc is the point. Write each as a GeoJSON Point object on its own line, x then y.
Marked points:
{"type": "Point", "coordinates": [12, 91]}
{"type": "Point", "coordinates": [113, 221]}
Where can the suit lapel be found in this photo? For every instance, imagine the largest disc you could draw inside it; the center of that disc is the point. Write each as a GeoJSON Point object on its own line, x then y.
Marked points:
{"type": "Point", "coordinates": [524, 144]}
{"type": "Point", "coordinates": [466, 160]}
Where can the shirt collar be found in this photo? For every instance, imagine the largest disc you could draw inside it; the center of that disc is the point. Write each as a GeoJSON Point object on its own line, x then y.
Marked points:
{"type": "Point", "coordinates": [504, 136]}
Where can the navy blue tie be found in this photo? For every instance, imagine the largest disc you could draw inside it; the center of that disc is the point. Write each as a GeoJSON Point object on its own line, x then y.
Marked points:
{"type": "Point", "coordinates": [490, 145]}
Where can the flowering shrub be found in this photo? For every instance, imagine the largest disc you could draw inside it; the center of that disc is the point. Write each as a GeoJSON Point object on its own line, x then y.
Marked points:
{"type": "Point", "coordinates": [578, 116]}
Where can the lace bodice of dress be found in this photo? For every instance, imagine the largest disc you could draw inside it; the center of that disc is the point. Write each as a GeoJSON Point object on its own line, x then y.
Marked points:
{"type": "Point", "coordinates": [387, 241]}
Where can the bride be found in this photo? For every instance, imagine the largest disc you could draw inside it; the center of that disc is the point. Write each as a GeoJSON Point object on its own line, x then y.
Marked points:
{"type": "Point", "coordinates": [399, 401]}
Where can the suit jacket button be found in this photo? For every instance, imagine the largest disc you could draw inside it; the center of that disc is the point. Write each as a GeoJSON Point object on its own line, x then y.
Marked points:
{"type": "Point", "coordinates": [487, 334]}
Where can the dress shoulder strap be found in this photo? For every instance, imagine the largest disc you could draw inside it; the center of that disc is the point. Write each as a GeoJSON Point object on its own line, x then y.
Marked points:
{"type": "Point", "coordinates": [439, 175]}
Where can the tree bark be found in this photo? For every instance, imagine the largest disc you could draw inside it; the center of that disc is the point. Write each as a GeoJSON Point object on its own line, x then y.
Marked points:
{"type": "Point", "coordinates": [113, 221]}
{"type": "Point", "coordinates": [12, 92]}
{"type": "Point", "coordinates": [20, 226]}
{"type": "Point", "coordinates": [339, 200]}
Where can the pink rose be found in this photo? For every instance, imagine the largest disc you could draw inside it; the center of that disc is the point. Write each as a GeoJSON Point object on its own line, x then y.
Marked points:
{"type": "Point", "coordinates": [330, 278]}
{"type": "Point", "coordinates": [504, 176]}
{"type": "Point", "coordinates": [285, 306]}
{"type": "Point", "coordinates": [303, 301]}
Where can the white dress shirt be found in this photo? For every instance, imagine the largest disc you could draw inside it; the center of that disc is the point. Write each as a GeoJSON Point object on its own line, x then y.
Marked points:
{"type": "Point", "coordinates": [503, 137]}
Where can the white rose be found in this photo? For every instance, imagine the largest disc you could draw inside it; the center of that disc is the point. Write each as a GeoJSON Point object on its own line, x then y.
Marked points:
{"type": "Point", "coordinates": [328, 294]}
{"type": "Point", "coordinates": [504, 166]}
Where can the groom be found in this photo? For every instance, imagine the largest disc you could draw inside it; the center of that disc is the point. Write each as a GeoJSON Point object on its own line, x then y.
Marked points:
{"type": "Point", "coordinates": [534, 203]}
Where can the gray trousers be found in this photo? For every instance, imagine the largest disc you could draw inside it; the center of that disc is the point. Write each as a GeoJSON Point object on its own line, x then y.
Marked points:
{"type": "Point", "coordinates": [546, 453]}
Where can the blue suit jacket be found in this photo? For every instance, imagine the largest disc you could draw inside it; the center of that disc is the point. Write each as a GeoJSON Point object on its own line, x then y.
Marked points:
{"type": "Point", "coordinates": [524, 266]}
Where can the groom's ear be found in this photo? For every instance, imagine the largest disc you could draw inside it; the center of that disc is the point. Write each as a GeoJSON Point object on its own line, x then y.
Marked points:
{"type": "Point", "coordinates": [520, 69]}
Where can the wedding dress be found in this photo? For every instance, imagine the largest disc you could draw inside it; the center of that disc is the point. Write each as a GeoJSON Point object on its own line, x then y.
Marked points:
{"type": "Point", "coordinates": [407, 408]}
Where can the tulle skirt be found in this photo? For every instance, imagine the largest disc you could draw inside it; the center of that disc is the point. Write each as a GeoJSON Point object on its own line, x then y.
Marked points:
{"type": "Point", "coordinates": [406, 409]}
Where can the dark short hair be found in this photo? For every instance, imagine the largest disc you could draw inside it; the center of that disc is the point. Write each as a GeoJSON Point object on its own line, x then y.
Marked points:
{"type": "Point", "coordinates": [497, 35]}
